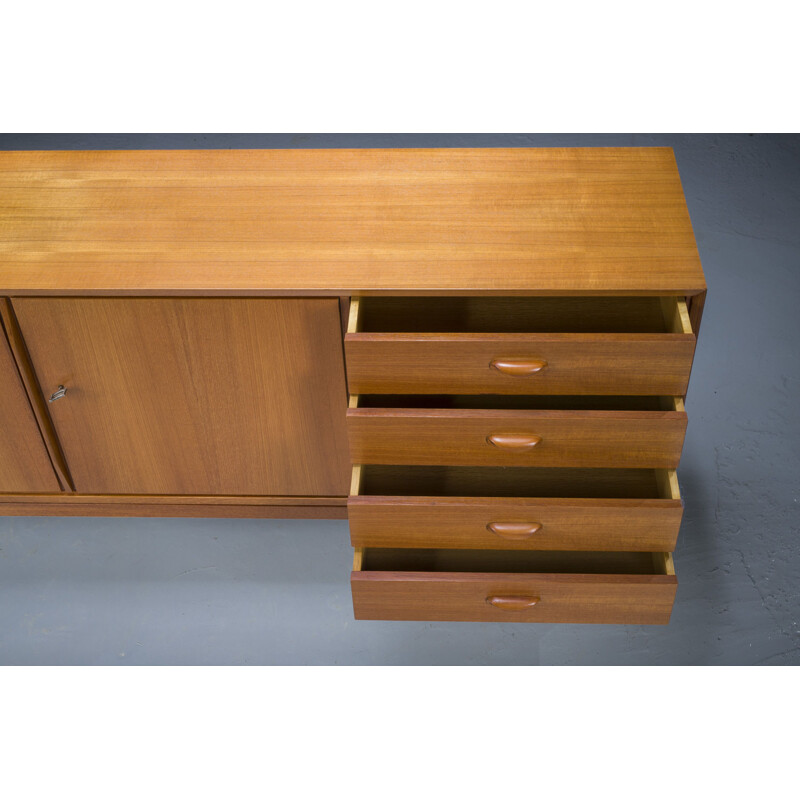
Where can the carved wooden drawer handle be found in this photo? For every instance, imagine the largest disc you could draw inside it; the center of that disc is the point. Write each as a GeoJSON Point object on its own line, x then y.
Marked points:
{"type": "Point", "coordinates": [512, 602]}
{"type": "Point", "coordinates": [518, 369]}
{"type": "Point", "coordinates": [514, 441]}
{"type": "Point", "coordinates": [514, 530]}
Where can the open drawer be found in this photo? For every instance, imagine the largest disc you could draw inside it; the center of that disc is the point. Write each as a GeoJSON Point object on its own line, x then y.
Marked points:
{"type": "Point", "coordinates": [515, 430]}
{"type": "Point", "coordinates": [517, 508]}
{"type": "Point", "coordinates": [501, 586]}
{"type": "Point", "coordinates": [519, 345]}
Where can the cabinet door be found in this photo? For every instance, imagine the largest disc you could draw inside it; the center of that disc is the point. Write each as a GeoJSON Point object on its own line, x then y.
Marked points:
{"type": "Point", "coordinates": [24, 463]}
{"type": "Point", "coordinates": [194, 396]}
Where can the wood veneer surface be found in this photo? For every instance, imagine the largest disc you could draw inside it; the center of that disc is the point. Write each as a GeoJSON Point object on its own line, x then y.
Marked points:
{"type": "Point", "coordinates": [24, 462]}
{"type": "Point", "coordinates": [416, 221]}
{"type": "Point", "coordinates": [559, 438]}
{"type": "Point", "coordinates": [91, 505]}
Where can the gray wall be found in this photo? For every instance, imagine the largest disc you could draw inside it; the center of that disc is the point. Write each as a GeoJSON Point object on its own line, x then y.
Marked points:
{"type": "Point", "coordinates": [143, 591]}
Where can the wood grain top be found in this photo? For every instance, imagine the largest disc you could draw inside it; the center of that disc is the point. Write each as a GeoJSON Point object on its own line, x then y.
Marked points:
{"type": "Point", "coordinates": [404, 221]}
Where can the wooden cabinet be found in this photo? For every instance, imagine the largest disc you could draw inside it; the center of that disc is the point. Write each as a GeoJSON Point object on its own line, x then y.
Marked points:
{"type": "Point", "coordinates": [520, 332]}
{"type": "Point", "coordinates": [24, 462]}
{"type": "Point", "coordinates": [179, 396]}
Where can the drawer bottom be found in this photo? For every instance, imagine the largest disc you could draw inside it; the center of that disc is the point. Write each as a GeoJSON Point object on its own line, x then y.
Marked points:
{"type": "Point", "coordinates": [503, 586]}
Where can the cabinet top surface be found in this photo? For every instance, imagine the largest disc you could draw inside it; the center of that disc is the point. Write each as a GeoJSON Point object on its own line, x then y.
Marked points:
{"type": "Point", "coordinates": [437, 221]}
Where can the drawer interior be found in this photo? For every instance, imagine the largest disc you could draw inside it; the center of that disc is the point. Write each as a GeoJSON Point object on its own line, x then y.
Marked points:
{"type": "Point", "coordinates": [413, 481]}
{"type": "Point", "coordinates": [519, 315]}
{"type": "Point", "coordinates": [521, 402]}
{"type": "Point", "coordinates": [375, 559]}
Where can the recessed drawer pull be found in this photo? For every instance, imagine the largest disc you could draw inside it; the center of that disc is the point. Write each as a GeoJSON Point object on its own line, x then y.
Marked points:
{"type": "Point", "coordinates": [518, 369]}
{"type": "Point", "coordinates": [512, 602]}
{"type": "Point", "coordinates": [513, 441]}
{"type": "Point", "coordinates": [514, 530]}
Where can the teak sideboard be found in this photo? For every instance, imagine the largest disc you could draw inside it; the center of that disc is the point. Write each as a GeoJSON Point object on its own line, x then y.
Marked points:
{"type": "Point", "coordinates": [477, 356]}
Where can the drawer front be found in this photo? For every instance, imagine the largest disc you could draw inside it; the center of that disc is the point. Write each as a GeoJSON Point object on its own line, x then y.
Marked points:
{"type": "Point", "coordinates": [417, 363]}
{"type": "Point", "coordinates": [515, 523]}
{"type": "Point", "coordinates": [502, 597]}
{"type": "Point", "coordinates": [516, 438]}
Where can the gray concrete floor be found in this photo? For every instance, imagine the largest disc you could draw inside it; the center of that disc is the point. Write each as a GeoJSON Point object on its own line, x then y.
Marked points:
{"type": "Point", "coordinates": [144, 591]}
